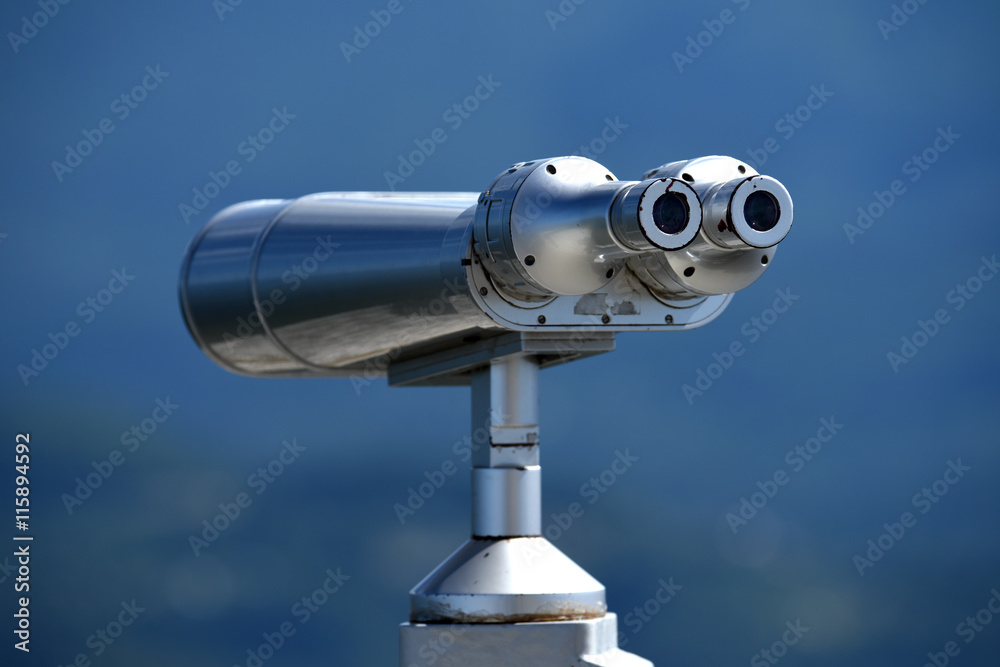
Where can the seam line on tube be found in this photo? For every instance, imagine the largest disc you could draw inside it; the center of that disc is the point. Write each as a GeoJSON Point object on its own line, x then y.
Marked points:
{"type": "Point", "coordinates": [258, 246]}
{"type": "Point", "coordinates": [189, 320]}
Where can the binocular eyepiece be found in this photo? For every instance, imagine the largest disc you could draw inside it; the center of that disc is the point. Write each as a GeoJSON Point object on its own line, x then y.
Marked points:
{"type": "Point", "coordinates": [566, 226]}
{"type": "Point", "coordinates": [340, 283]}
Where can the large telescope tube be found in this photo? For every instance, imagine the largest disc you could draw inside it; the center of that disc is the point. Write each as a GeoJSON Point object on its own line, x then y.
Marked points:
{"type": "Point", "coordinates": [335, 283]}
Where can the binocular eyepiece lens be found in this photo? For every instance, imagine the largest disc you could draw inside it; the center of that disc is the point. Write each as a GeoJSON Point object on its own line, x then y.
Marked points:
{"type": "Point", "coordinates": [761, 211]}
{"type": "Point", "coordinates": [656, 214]}
{"type": "Point", "coordinates": [671, 213]}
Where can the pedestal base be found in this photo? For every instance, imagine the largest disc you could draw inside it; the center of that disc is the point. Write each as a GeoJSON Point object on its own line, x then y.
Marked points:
{"type": "Point", "coordinates": [505, 581]}
{"type": "Point", "coordinates": [585, 643]}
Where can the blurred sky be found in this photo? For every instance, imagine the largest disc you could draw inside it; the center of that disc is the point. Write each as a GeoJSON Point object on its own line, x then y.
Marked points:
{"type": "Point", "coordinates": [215, 73]}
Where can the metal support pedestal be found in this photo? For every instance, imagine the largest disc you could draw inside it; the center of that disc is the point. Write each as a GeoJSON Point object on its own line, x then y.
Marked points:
{"type": "Point", "coordinates": [508, 597]}
{"type": "Point", "coordinates": [587, 643]}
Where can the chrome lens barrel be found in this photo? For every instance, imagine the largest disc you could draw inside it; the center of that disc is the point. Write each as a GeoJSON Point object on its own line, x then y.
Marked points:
{"type": "Point", "coordinates": [657, 214]}
{"type": "Point", "coordinates": [331, 284]}
{"type": "Point", "coordinates": [754, 212]}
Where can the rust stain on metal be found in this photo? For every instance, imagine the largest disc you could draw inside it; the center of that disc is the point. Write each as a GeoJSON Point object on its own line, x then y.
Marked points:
{"type": "Point", "coordinates": [436, 612]}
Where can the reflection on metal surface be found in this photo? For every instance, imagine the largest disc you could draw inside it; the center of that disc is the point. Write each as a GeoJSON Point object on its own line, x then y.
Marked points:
{"type": "Point", "coordinates": [358, 282]}
{"type": "Point", "coordinates": [507, 580]}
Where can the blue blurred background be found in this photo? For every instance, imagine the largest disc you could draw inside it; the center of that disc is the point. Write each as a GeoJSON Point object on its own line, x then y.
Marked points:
{"type": "Point", "coordinates": [678, 80]}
